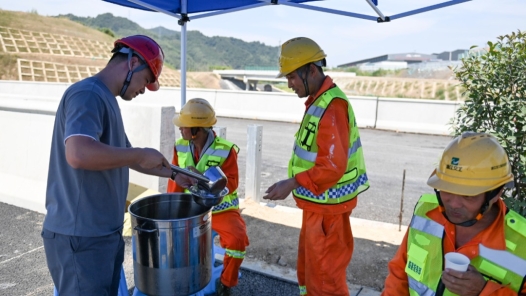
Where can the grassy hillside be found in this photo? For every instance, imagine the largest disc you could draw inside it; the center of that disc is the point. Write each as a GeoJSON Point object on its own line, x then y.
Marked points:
{"type": "Point", "coordinates": [32, 22]}
{"type": "Point", "coordinates": [203, 53]}
{"type": "Point", "coordinates": [62, 26]}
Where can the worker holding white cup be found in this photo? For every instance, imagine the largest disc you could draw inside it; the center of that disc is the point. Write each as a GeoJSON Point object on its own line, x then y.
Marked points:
{"type": "Point", "coordinates": [467, 215]}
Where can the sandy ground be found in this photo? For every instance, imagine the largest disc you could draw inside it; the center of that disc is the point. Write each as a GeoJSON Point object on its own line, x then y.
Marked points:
{"type": "Point", "coordinates": [274, 232]}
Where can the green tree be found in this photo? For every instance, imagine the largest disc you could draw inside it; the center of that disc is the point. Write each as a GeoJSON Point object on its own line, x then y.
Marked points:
{"type": "Point", "coordinates": [107, 31]}
{"type": "Point", "coordinates": [495, 88]}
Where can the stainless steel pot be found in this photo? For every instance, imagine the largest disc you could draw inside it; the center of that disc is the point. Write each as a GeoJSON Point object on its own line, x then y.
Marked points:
{"type": "Point", "coordinates": [171, 243]}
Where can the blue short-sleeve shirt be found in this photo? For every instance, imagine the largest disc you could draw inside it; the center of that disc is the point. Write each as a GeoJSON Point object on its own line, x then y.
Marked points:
{"type": "Point", "coordinates": [84, 202]}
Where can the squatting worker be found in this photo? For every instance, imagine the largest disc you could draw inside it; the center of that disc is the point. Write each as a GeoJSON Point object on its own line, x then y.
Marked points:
{"type": "Point", "coordinates": [326, 171]}
{"type": "Point", "coordinates": [198, 149]}
{"type": "Point", "coordinates": [466, 215]}
{"type": "Point", "coordinates": [88, 171]}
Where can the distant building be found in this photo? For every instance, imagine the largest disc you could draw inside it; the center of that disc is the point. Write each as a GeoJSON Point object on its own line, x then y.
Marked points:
{"type": "Point", "coordinates": [433, 66]}
{"type": "Point", "coordinates": [455, 55]}
{"type": "Point", "coordinates": [409, 58]}
{"type": "Point", "coordinates": [387, 65]}
{"type": "Point", "coordinates": [413, 60]}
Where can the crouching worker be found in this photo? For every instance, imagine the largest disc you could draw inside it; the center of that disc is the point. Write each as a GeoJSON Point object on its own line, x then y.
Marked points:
{"type": "Point", "coordinates": [465, 215]}
{"type": "Point", "coordinates": [200, 148]}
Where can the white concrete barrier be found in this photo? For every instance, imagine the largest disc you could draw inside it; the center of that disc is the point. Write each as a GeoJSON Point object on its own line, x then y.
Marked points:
{"type": "Point", "coordinates": [27, 128]}
{"type": "Point", "coordinates": [364, 110]}
{"type": "Point", "coordinates": [418, 116]}
{"type": "Point", "coordinates": [405, 115]}
{"type": "Point", "coordinates": [25, 143]}
{"type": "Point", "coordinates": [29, 88]}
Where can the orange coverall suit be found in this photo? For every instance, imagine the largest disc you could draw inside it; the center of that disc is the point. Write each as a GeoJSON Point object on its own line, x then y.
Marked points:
{"type": "Point", "coordinates": [228, 224]}
{"type": "Point", "coordinates": [326, 243]}
{"type": "Point", "coordinates": [492, 237]}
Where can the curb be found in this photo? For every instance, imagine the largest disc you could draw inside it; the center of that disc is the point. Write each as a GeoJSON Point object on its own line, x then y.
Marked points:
{"type": "Point", "coordinates": [289, 274]}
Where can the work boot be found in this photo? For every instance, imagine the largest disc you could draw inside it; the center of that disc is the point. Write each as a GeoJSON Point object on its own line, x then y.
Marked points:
{"type": "Point", "coordinates": [221, 289]}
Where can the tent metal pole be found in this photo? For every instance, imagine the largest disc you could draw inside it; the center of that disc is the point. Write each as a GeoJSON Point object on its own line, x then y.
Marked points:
{"type": "Point", "coordinates": [184, 9]}
{"type": "Point", "coordinates": [380, 14]}
{"type": "Point", "coordinates": [428, 8]}
{"type": "Point", "coordinates": [328, 10]}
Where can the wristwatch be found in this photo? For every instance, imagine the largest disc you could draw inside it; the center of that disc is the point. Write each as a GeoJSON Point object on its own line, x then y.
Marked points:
{"type": "Point", "coordinates": [174, 173]}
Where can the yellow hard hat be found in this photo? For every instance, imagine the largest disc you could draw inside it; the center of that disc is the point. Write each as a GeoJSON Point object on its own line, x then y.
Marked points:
{"type": "Point", "coordinates": [298, 52]}
{"type": "Point", "coordinates": [196, 113]}
{"type": "Point", "coordinates": [473, 163]}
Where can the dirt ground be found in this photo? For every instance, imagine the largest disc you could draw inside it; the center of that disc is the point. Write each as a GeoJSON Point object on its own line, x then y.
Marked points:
{"type": "Point", "coordinates": [274, 233]}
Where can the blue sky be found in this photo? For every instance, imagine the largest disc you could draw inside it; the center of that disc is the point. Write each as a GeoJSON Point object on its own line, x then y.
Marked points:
{"type": "Point", "coordinates": [344, 39]}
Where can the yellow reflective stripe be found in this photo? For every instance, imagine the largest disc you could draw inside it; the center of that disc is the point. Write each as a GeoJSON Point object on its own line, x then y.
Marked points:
{"type": "Point", "coordinates": [428, 226]}
{"type": "Point", "coordinates": [304, 154]}
{"type": "Point", "coordinates": [235, 253]}
{"type": "Point", "coordinates": [311, 156]}
{"type": "Point", "coordinates": [230, 201]}
{"type": "Point", "coordinates": [420, 288]}
{"type": "Point", "coordinates": [182, 148]}
{"type": "Point", "coordinates": [357, 144]}
{"type": "Point", "coordinates": [316, 111]}
{"type": "Point", "coordinates": [217, 152]}
{"type": "Point", "coordinates": [505, 259]}
{"type": "Point", "coordinates": [303, 290]}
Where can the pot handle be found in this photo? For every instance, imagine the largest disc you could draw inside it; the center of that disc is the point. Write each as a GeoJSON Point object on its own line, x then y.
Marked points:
{"type": "Point", "coordinates": [145, 230]}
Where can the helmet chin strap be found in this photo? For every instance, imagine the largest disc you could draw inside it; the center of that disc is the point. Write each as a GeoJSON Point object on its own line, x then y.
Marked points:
{"type": "Point", "coordinates": [304, 79]}
{"type": "Point", "coordinates": [467, 223]}
{"type": "Point", "coordinates": [130, 72]}
{"type": "Point", "coordinates": [194, 131]}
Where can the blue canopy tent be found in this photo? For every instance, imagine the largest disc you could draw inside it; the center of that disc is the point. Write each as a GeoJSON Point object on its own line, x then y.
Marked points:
{"type": "Point", "coordinates": [186, 10]}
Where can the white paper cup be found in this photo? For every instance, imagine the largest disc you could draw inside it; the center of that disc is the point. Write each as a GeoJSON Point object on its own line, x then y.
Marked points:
{"type": "Point", "coordinates": [457, 261]}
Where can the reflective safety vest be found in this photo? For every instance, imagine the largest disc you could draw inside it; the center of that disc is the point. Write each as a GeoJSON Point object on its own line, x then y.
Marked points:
{"type": "Point", "coordinates": [425, 255]}
{"type": "Point", "coordinates": [214, 155]}
{"type": "Point", "coordinates": [305, 151]}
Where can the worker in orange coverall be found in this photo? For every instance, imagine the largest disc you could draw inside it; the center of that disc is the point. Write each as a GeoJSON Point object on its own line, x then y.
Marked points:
{"type": "Point", "coordinates": [198, 149]}
{"type": "Point", "coordinates": [465, 215]}
{"type": "Point", "coordinates": [326, 171]}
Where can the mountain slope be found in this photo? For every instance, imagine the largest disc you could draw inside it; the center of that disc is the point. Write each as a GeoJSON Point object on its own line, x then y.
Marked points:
{"type": "Point", "coordinates": [203, 52]}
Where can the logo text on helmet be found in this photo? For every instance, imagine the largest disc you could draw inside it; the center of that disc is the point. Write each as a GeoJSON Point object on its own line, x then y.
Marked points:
{"type": "Point", "coordinates": [498, 166]}
{"type": "Point", "coordinates": [454, 168]}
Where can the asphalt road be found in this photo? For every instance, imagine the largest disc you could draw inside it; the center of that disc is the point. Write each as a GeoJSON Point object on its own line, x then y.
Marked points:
{"type": "Point", "coordinates": [23, 270]}
{"type": "Point", "coordinates": [387, 155]}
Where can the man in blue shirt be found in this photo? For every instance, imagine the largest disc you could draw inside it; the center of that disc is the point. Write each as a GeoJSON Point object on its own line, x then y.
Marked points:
{"type": "Point", "coordinates": [89, 171]}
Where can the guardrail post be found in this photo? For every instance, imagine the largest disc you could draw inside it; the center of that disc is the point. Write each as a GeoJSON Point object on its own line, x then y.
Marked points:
{"type": "Point", "coordinates": [220, 131]}
{"type": "Point", "coordinates": [253, 172]}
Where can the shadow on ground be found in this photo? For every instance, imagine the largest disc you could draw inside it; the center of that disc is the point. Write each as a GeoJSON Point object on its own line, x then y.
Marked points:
{"type": "Point", "coordinates": [276, 244]}
{"type": "Point", "coordinates": [23, 269]}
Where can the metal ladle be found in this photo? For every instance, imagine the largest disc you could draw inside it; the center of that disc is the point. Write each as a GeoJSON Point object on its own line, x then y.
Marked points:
{"type": "Point", "coordinates": [211, 187]}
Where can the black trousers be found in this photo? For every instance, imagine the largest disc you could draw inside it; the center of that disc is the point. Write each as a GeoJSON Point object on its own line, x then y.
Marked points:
{"type": "Point", "coordinates": [84, 265]}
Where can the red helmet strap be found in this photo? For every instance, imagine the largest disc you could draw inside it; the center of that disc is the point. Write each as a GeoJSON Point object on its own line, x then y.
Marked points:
{"type": "Point", "coordinates": [130, 53]}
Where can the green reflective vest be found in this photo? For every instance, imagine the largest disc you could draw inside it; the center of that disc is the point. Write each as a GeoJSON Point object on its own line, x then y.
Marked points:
{"type": "Point", "coordinates": [305, 151]}
{"type": "Point", "coordinates": [214, 155]}
{"type": "Point", "coordinates": [425, 255]}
